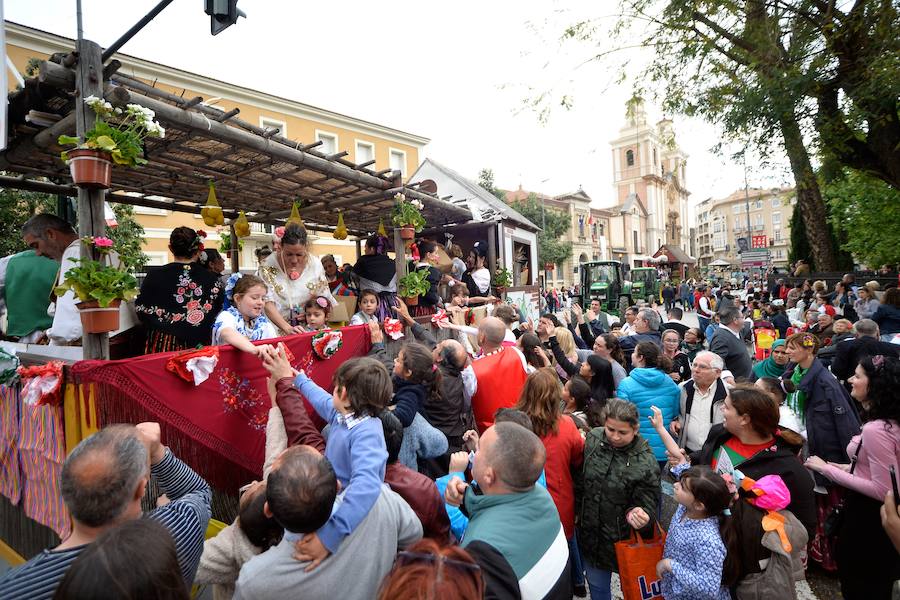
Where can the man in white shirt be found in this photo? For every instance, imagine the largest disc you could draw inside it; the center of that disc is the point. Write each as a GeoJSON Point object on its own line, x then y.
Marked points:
{"type": "Point", "coordinates": [630, 315]}
{"type": "Point", "coordinates": [53, 237]}
{"type": "Point", "coordinates": [702, 398]}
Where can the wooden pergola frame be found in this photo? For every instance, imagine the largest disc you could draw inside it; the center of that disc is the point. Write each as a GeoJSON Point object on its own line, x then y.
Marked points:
{"type": "Point", "coordinates": [255, 170]}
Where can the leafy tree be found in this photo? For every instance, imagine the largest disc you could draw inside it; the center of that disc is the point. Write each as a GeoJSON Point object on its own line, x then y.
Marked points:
{"type": "Point", "coordinates": [865, 210]}
{"type": "Point", "coordinates": [16, 207]}
{"type": "Point", "coordinates": [128, 236]}
{"type": "Point", "coordinates": [555, 225]}
{"type": "Point", "coordinates": [799, 249]}
{"type": "Point", "coordinates": [486, 181]}
{"type": "Point", "coordinates": [778, 74]}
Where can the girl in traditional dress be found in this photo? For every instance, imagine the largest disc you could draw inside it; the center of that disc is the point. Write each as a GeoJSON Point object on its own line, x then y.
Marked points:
{"type": "Point", "coordinates": [316, 311]}
{"type": "Point", "coordinates": [293, 276]}
{"type": "Point", "coordinates": [244, 320]}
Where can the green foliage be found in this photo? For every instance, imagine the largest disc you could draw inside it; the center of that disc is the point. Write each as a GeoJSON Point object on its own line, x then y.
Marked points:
{"type": "Point", "coordinates": [555, 225]}
{"type": "Point", "coordinates": [486, 181]}
{"type": "Point", "coordinates": [502, 277]}
{"type": "Point", "coordinates": [128, 237]}
{"type": "Point", "coordinates": [16, 207]}
{"type": "Point", "coordinates": [225, 244]}
{"type": "Point", "coordinates": [119, 132]}
{"type": "Point", "coordinates": [865, 210]}
{"type": "Point", "coordinates": [407, 213]}
{"type": "Point", "coordinates": [93, 280]}
{"type": "Point", "coordinates": [414, 283]}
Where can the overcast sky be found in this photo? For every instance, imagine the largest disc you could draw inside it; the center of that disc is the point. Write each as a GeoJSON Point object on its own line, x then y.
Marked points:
{"type": "Point", "coordinates": [456, 72]}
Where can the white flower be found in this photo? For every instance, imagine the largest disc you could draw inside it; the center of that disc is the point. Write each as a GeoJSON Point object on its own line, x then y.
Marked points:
{"type": "Point", "coordinates": [118, 111]}
{"type": "Point", "coordinates": [162, 132]}
{"type": "Point", "coordinates": [418, 204]}
{"type": "Point", "coordinates": [399, 197]}
{"type": "Point", "coordinates": [91, 99]}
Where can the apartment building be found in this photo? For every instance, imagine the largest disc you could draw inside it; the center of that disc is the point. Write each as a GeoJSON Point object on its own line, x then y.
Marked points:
{"type": "Point", "coordinates": [756, 218]}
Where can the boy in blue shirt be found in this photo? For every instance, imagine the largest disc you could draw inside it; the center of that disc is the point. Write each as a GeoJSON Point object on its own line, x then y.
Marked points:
{"type": "Point", "coordinates": [355, 448]}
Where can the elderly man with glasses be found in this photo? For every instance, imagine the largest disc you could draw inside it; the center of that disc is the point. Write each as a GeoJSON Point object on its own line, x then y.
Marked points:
{"type": "Point", "coordinates": [646, 329]}
{"type": "Point", "coordinates": [702, 398]}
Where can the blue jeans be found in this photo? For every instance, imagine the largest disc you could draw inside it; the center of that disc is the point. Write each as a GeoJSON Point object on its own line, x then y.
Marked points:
{"type": "Point", "coordinates": [704, 323]}
{"type": "Point", "coordinates": [575, 561]}
{"type": "Point", "coordinates": [598, 582]}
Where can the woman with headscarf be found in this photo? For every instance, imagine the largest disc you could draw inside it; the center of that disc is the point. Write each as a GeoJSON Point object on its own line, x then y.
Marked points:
{"type": "Point", "coordinates": [774, 365]}
{"type": "Point", "coordinates": [377, 272]}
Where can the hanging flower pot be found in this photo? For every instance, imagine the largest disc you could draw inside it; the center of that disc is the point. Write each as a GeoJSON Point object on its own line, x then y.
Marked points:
{"type": "Point", "coordinates": [96, 319]}
{"type": "Point", "coordinates": [90, 169]}
{"type": "Point", "coordinates": [411, 300]}
{"type": "Point", "coordinates": [407, 232]}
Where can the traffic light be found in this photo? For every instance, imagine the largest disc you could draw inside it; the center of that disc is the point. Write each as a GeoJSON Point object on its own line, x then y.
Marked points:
{"type": "Point", "coordinates": [223, 13]}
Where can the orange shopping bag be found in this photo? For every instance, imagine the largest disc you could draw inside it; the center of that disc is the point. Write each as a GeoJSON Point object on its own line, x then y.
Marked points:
{"type": "Point", "coordinates": [637, 565]}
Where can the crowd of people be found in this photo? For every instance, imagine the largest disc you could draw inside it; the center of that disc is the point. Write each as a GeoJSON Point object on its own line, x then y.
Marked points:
{"type": "Point", "coordinates": [505, 458]}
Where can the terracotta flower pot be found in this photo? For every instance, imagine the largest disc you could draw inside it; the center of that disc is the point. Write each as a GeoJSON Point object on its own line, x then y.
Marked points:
{"type": "Point", "coordinates": [96, 319]}
{"type": "Point", "coordinates": [90, 168]}
{"type": "Point", "coordinates": [413, 301]}
{"type": "Point", "coordinates": [407, 233]}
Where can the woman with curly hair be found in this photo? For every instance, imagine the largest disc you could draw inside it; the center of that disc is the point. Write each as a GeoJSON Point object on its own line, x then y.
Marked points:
{"type": "Point", "coordinates": [866, 560]}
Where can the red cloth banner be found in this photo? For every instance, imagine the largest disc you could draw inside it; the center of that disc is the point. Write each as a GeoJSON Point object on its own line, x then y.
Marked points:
{"type": "Point", "coordinates": [217, 427]}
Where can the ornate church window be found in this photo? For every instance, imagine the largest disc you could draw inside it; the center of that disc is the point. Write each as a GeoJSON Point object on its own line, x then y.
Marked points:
{"type": "Point", "coordinates": [629, 158]}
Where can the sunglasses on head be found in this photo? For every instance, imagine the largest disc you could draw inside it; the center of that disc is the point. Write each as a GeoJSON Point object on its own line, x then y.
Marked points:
{"type": "Point", "coordinates": [411, 558]}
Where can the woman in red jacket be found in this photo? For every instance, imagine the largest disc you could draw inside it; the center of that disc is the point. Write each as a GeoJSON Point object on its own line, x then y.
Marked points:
{"type": "Point", "coordinates": [541, 400]}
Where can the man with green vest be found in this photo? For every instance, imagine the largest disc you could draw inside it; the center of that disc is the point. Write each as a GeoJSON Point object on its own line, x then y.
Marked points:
{"type": "Point", "coordinates": [514, 531]}
{"type": "Point", "coordinates": [26, 283]}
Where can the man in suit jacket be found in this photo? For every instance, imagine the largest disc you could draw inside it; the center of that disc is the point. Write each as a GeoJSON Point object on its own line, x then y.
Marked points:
{"type": "Point", "coordinates": [728, 343]}
{"type": "Point", "coordinates": [866, 343]}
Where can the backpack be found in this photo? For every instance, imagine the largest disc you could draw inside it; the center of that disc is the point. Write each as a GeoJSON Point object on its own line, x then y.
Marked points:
{"type": "Point", "coordinates": [782, 568]}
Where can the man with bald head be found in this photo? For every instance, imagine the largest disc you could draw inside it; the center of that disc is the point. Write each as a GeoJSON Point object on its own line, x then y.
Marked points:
{"type": "Point", "coordinates": [495, 378]}
{"type": "Point", "coordinates": [513, 523]}
{"type": "Point", "coordinates": [103, 481]}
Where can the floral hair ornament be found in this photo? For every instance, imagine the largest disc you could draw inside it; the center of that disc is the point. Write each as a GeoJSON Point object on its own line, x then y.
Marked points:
{"type": "Point", "coordinates": [325, 344]}
{"type": "Point", "coordinates": [279, 232]}
{"type": "Point", "coordinates": [808, 341]}
{"type": "Point", "coordinates": [878, 361]}
{"type": "Point", "coordinates": [229, 289]}
{"type": "Point", "coordinates": [394, 328]}
{"type": "Point", "coordinates": [414, 252]}
{"type": "Point", "coordinates": [322, 302]}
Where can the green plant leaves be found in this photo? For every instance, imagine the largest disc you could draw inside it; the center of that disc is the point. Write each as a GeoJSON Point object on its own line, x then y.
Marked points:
{"type": "Point", "coordinates": [91, 280]}
{"type": "Point", "coordinates": [415, 283]}
{"type": "Point", "coordinates": [68, 140]}
{"type": "Point", "coordinates": [106, 143]}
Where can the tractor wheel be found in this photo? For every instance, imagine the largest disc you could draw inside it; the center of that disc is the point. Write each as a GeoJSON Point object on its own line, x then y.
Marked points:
{"type": "Point", "coordinates": [624, 303]}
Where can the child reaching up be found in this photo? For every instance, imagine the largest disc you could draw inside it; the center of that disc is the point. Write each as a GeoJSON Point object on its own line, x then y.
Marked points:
{"type": "Point", "coordinates": [700, 559]}
{"type": "Point", "coordinates": [368, 305]}
{"type": "Point", "coordinates": [316, 311]}
{"type": "Point", "coordinates": [356, 447]}
{"type": "Point", "coordinates": [244, 320]}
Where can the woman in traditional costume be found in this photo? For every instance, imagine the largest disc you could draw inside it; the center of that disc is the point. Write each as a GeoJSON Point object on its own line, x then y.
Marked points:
{"type": "Point", "coordinates": [293, 275]}
{"type": "Point", "coordinates": [178, 302]}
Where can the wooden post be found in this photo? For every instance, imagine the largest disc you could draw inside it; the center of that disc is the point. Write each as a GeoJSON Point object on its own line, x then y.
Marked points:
{"type": "Point", "coordinates": [492, 248]}
{"type": "Point", "coordinates": [358, 248]}
{"type": "Point", "coordinates": [91, 222]}
{"type": "Point", "coordinates": [234, 252]}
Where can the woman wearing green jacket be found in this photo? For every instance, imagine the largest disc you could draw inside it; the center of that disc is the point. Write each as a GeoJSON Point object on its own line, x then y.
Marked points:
{"type": "Point", "coordinates": [618, 491]}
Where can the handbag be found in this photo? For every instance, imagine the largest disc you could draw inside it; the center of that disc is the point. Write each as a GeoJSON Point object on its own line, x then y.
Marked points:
{"type": "Point", "coordinates": [637, 561]}
{"type": "Point", "coordinates": [835, 518]}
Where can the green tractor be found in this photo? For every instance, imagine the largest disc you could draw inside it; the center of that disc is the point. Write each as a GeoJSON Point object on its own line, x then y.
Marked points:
{"type": "Point", "coordinates": [605, 281]}
{"type": "Point", "coordinates": [646, 284]}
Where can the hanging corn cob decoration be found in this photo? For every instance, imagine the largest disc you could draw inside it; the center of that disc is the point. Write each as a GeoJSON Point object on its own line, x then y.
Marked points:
{"type": "Point", "coordinates": [295, 215]}
{"type": "Point", "coordinates": [340, 232]}
{"type": "Point", "coordinates": [242, 225]}
{"type": "Point", "coordinates": [212, 213]}
{"type": "Point", "coordinates": [381, 230]}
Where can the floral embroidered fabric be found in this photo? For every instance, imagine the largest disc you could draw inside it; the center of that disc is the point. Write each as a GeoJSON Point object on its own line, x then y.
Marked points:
{"type": "Point", "coordinates": [181, 300]}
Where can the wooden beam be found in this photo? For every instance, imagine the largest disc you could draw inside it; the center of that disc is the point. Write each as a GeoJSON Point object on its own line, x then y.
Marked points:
{"type": "Point", "coordinates": [56, 75]}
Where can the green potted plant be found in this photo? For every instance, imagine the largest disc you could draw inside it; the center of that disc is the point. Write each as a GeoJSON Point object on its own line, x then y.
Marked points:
{"type": "Point", "coordinates": [407, 216]}
{"type": "Point", "coordinates": [117, 137]}
{"type": "Point", "coordinates": [413, 285]}
{"type": "Point", "coordinates": [502, 279]}
{"type": "Point", "coordinates": [99, 287]}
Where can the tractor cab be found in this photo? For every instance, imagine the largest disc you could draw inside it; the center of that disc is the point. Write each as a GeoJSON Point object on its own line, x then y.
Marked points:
{"type": "Point", "coordinates": [605, 281]}
{"type": "Point", "coordinates": [645, 284]}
